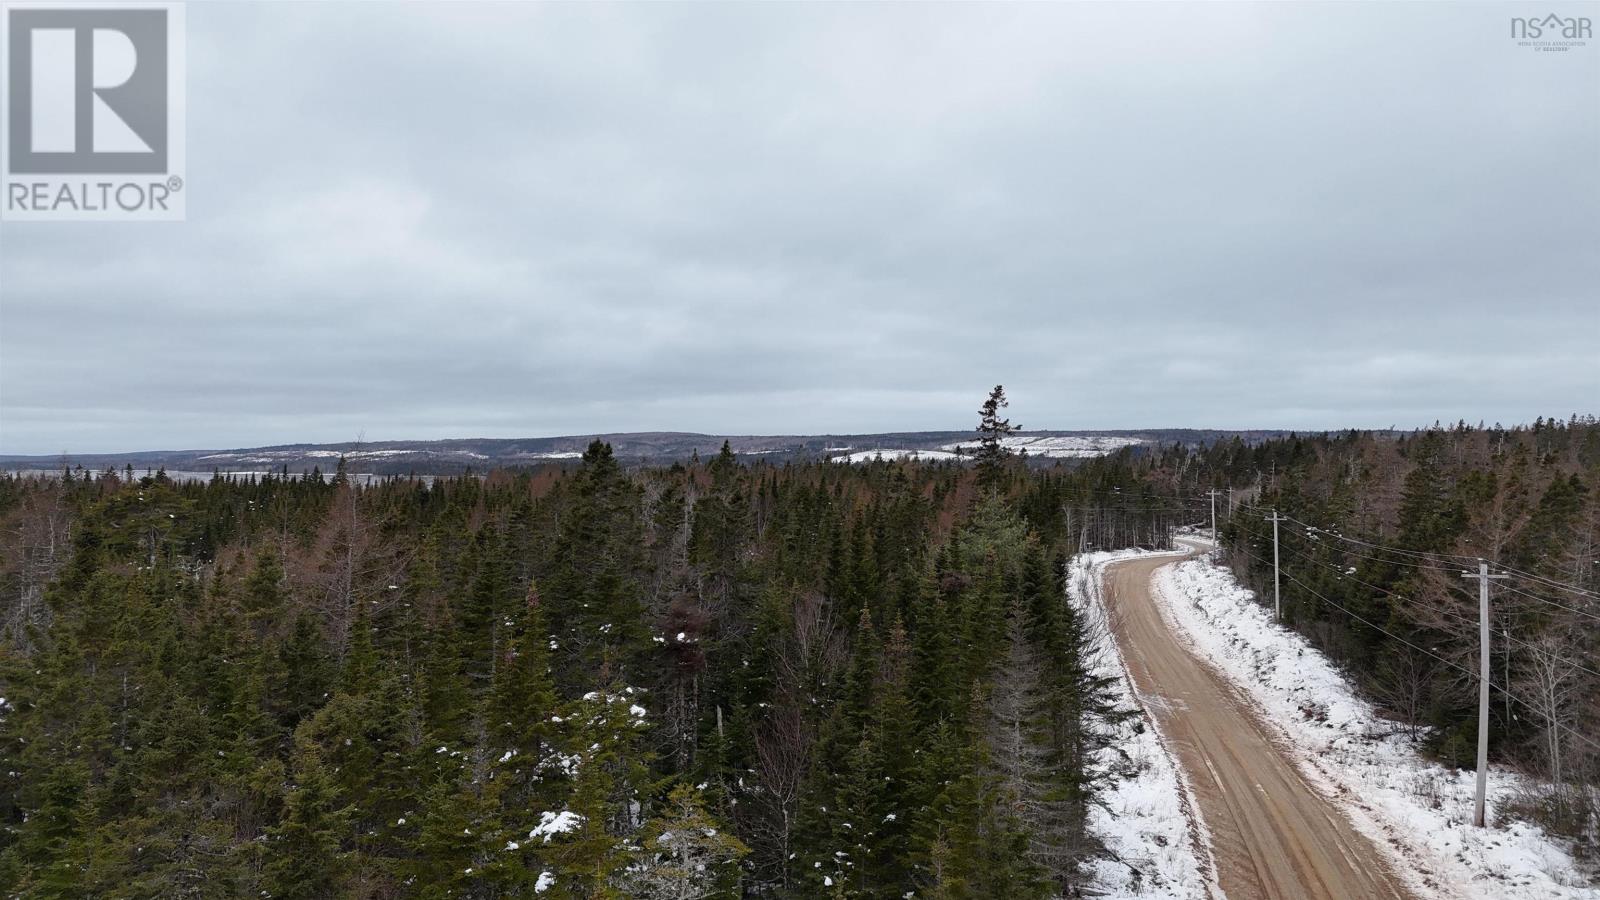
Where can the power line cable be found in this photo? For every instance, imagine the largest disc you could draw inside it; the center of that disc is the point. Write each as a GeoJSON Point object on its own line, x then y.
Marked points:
{"type": "Point", "coordinates": [1436, 567]}
{"type": "Point", "coordinates": [1416, 603]}
{"type": "Point", "coordinates": [1417, 554]}
{"type": "Point", "coordinates": [1575, 611]}
{"type": "Point", "coordinates": [1313, 592]}
{"type": "Point", "coordinates": [1513, 697]}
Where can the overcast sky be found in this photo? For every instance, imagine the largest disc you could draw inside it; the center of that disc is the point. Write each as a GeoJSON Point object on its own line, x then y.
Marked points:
{"type": "Point", "coordinates": [412, 221]}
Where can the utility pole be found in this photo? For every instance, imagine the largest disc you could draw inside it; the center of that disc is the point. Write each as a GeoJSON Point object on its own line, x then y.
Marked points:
{"type": "Point", "coordinates": [1214, 516]}
{"type": "Point", "coordinates": [1277, 595]}
{"type": "Point", "coordinates": [1483, 577]}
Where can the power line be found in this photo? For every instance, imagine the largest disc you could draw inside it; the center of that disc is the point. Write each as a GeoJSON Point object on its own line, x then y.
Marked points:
{"type": "Point", "coordinates": [1413, 601]}
{"type": "Point", "coordinates": [1418, 554]}
{"type": "Point", "coordinates": [1312, 591]}
{"type": "Point", "coordinates": [1558, 725]}
{"type": "Point", "coordinates": [1436, 567]}
{"type": "Point", "coordinates": [1374, 587]}
{"type": "Point", "coordinates": [1551, 582]}
{"type": "Point", "coordinates": [1573, 610]}
{"type": "Point", "coordinates": [1121, 508]}
{"type": "Point", "coordinates": [1436, 558]}
{"type": "Point", "coordinates": [1341, 573]}
{"type": "Point", "coordinates": [1118, 495]}
{"type": "Point", "coordinates": [1513, 697]}
{"type": "Point", "coordinates": [1538, 649]}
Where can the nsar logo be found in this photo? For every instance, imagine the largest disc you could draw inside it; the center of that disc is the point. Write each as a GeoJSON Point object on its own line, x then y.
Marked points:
{"type": "Point", "coordinates": [1552, 33]}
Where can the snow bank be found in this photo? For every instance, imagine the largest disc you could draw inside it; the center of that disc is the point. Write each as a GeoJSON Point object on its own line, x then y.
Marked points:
{"type": "Point", "coordinates": [1417, 811]}
{"type": "Point", "coordinates": [1159, 848]}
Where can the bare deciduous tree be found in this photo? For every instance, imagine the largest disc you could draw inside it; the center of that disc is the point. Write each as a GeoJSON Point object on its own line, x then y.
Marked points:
{"type": "Point", "coordinates": [34, 548]}
{"type": "Point", "coordinates": [783, 757]}
{"type": "Point", "coordinates": [1404, 683]}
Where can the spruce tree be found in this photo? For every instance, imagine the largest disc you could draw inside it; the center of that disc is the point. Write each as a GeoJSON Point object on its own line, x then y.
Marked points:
{"type": "Point", "coordinates": [305, 856]}
{"type": "Point", "coordinates": [684, 853]}
{"type": "Point", "coordinates": [993, 429]}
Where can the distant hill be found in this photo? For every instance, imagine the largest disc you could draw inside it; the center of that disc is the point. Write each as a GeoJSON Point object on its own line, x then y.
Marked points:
{"type": "Point", "coordinates": [459, 455]}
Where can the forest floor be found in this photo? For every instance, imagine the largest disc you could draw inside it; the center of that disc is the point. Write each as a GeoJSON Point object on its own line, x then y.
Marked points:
{"type": "Point", "coordinates": [1271, 833]}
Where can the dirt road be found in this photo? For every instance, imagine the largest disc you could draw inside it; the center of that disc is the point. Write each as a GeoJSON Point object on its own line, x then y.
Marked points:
{"type": "Point", "coordinates": [1273, 836]}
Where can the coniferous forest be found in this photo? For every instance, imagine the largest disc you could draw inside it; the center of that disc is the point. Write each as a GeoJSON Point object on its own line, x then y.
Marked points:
{"type": "Point", "coordinates": [717, 679]}
{"type": "Point", "coordinates": [696, 681]}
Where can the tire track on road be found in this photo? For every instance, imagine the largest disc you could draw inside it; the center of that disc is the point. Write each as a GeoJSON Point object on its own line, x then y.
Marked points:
{"type": "Point", "coordinates": [1273, 836]}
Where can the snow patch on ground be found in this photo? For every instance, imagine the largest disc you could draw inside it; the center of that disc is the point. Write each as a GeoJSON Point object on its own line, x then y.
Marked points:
{"type": "Point", "coordinates": [1418, 811]}
{"type": "Point", "coordinates": [1159, 847]}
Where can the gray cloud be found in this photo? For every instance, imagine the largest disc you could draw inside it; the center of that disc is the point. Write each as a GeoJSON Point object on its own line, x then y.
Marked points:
{"type": "Point", "coordinates": [498, 220]}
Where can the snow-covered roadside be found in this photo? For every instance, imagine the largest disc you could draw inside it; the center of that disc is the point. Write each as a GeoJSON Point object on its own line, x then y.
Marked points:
{"type": "Point", "coordinates": [1417, 811]}
{"type": "Point", "coordinates": [1145, 817]}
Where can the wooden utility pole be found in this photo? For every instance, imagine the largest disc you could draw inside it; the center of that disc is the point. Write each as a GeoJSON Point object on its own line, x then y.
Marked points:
{"type": "Point", "coordinates": [1277, 594]}
{"type": "Point", "coordinates": [1483, 577]}
{"type": "Point", "coordinates": [1214, 515]}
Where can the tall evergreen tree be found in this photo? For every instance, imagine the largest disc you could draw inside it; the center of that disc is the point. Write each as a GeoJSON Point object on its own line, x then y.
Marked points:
{"type": "Point", "coordinates": [993, 429]}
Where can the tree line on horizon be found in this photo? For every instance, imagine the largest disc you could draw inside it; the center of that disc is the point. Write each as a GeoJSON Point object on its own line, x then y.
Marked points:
{"type": "Point", "coordinates": [703, 680]}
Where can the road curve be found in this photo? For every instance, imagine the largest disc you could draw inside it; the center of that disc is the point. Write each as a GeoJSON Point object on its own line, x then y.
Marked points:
{"type": "Point", "coordinates": [1272, 835]}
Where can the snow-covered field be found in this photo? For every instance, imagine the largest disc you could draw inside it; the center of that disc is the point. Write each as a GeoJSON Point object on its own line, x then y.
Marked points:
{"type": "Point", "coordinates": [1418, 811]}
{"type": "Point", "coordinates": [870, 455]}
{"type": "Point", "coordinates": [1062, 447]}
{"type": "Point", "coordinates": [1145, 818]}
